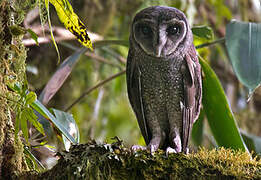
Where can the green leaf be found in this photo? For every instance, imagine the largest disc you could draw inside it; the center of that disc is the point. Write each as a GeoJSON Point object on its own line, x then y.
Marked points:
{"type": "Point", "coordinates": [60, 76]}
{"type": "Point", "coordinates": [40, 108]}
{"type": "Point", "coordinates": [243, 42]}
{"type": "Point", "coordinates": [67, 120]}
{"type": "Point", "coordinates": [23, 123]}
{"type": "Point", "coordinates": [197, 130]}
{"type": "Point", "coordinates": [71, 21]}
{"type": "Point", "coordinates": [51, 30]}
{"type": "Point", "coordinates": [16, 87]}
{"type": "Point", "coordinates": [30, 98]}
{"type": "Point", "coordinates": [29, 114]}
{"type": "Point", "coordinates": [17, 122]}
{"type": "Point", "coordinates": [33, 35]}
{"type": "Point", "coordinates": [31, 159]}
{"type": "Point", "coordinates": [204, 32]}
{"type": "Point", "coordinates": [219, 115]}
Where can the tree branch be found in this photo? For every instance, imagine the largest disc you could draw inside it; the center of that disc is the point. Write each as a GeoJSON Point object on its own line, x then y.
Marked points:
{"type": "Point", "coordinates": [221, 40]}
{"type": "Point", "coordinates": [93, 88]}
{"type": "Point", "coordinates": [114, 161]}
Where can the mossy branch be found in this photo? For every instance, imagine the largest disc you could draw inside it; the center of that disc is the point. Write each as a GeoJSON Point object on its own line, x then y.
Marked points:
{"type": "Point", "coordinates": [114, 161]}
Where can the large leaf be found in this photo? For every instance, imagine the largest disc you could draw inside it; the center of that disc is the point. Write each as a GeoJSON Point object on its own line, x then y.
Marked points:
{"type": "Point", "coordinates": [60, 76]}
{"type": "Point", "coordinates": [41, 109]}
{"type": "Point", "coordinates": [219, 115]}
{"type": "Point", "coordinates": [197, 130]}
{"type": "Point", "coordinates": [69, 123]}
{"type": "Point", "coordinates": [243, 42]}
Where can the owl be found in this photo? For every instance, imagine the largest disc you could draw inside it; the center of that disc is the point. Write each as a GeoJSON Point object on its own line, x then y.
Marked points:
{"type": "Point", "coordinates": [163, 78]}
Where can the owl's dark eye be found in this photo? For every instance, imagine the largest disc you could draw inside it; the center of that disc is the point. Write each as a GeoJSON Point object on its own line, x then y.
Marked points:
{"type": "Point", "coordinates": [146, 30]}
{"type": "Point", "coordinates": [173, 29]}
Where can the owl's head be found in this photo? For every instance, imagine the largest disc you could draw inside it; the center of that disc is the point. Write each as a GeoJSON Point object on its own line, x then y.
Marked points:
{"type": "Point", "coordinates": [161, 31]}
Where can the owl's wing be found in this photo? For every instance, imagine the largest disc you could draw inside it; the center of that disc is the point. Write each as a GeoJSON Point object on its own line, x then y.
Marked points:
{"type": "Point", "coordinates": [134, 93]}
{"type": "Point", "coordinates": [192, 94]}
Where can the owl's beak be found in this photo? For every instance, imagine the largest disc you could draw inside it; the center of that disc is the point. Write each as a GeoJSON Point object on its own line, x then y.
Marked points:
{"type": "Point", "coordinates": [159, 46]}
{"type": "Point", "coordinates": [158, 50]}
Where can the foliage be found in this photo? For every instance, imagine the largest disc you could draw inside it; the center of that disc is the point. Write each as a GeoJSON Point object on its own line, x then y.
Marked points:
{"type": "Point", "coordinates": [24, 111]}
{"type": "Point", "coordinates": [219, 115]}
{"type": "Point", "coordinates": [28, 102]}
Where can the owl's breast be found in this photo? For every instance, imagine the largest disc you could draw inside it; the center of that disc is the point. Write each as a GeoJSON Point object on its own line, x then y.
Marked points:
{"type": "Point", "coordinates": [161, 82]}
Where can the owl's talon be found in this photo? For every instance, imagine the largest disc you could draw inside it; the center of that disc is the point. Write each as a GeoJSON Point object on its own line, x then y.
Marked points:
{"type": "Point", "coordinates": [170, 150]}
{"type": "Point", "coordinates": [136, 148]}
{"type": "Point", "coordinates": [153, 148]}
{"type": "Point", "coordinates": [187, 151]}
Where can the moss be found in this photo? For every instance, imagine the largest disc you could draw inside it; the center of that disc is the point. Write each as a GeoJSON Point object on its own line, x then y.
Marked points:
{"type": "Point", "coordinates": [12, 70]}
{"type": "Point", "coordinates": [114, 161]}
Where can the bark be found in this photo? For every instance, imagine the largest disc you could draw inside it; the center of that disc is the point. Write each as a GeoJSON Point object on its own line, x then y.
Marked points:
{"type": "Point", "coordinates": [12, 70]}
{"type": "Point", "coordinates": [114, 161]}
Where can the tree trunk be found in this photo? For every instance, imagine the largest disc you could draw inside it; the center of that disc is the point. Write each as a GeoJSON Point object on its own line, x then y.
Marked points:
{"type": "Point", "coordinates": [12, 70]}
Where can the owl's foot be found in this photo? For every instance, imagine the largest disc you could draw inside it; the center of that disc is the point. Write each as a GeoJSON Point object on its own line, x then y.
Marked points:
{"type": "Point", "coordinates": [152, 148]}
{"type": "Point", "coordinates": [170, 150]}
{"type": "Point", "coordinates": [135, 148]}
{"type": "Point", "coordinates": [186, 151]}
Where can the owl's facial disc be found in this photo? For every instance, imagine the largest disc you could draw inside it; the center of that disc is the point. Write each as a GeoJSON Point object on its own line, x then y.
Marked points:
{"type": "Point", "coordinates": [159, 40]}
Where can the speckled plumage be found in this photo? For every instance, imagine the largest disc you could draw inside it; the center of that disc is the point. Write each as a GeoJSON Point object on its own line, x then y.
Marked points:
{"type": "Point", "coordinates": [164, 86]}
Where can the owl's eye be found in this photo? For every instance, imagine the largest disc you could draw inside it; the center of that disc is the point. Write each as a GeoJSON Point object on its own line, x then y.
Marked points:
{"type": "Point", "coordinates": [173, 29]}
{"type": "Point", "coordinates": [146, 30]}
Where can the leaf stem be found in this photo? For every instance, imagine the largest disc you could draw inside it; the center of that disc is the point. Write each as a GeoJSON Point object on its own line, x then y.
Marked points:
{"type": "Point", "coordinates": [88, 91]}
{"type": "Point", "coordinates": [221, 40]}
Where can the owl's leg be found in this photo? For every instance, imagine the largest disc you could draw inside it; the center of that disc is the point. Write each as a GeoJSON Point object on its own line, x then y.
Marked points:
{"type": "Point", "coordinates": [175, 140]}
{"type": "Point", "coordinates": [156, 142]}
{"type": "Point", "coordinates": [175, 121]}
{"type": "Point", "coordinates": [156, 126]}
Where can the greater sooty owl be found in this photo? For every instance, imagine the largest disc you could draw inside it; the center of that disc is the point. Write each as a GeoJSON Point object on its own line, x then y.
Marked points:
{"type": "Point", "coordinates": [163, 78]}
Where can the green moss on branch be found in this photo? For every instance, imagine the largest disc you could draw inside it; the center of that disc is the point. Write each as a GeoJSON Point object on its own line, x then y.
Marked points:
{"type": "Point", "coordinates": [114, 161]}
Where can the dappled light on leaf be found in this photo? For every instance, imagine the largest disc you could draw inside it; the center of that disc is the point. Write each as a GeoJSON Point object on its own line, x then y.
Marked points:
{"type": "Point", "coordinates": [71, 21]}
